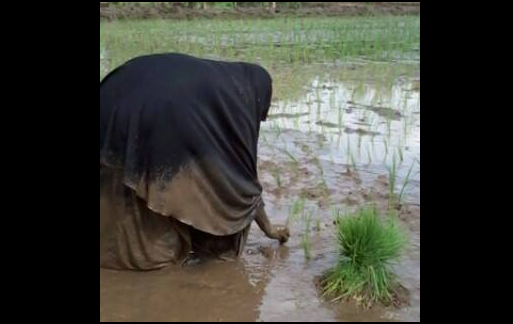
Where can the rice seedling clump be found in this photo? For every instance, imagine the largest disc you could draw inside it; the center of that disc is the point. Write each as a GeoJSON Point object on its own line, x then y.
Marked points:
{"type": "Point", "coordinates": [369, 245]}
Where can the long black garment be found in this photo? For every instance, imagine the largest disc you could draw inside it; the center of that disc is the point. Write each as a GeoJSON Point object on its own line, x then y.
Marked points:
{"type": "Point", "coordinates": [181, 135]}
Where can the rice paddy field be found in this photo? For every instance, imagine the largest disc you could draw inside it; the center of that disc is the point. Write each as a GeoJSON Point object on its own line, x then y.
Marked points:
{"type": "Point", "coordinates": [344, 132]}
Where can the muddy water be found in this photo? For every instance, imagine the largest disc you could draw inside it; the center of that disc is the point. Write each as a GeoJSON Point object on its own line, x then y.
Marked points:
{"type": "Point", "coordinates": [307, 150]}
{"type": "Point", "coordinates": [361, 124]}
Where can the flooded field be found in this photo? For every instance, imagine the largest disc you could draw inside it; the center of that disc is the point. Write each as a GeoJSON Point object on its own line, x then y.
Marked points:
{"type": "Point", "coordinates": [344, 131]}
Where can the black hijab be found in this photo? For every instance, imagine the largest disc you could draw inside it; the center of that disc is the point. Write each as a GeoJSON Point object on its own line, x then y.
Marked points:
{"type": "Point", "coordinates": [184, 131]}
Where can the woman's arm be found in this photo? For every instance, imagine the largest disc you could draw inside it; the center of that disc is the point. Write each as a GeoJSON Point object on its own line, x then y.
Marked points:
{"type": "Point", "coordinates": [275, 232]}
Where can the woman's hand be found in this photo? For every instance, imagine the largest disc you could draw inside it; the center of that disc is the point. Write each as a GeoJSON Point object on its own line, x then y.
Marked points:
{"type": "Point", "coordinates": [280, 233]}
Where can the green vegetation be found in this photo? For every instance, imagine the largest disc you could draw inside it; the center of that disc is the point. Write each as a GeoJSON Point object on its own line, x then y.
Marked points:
{"type": "Point", "coordinates": [283, 41]}
{"type": "Point", "coordinates": [368, 247]}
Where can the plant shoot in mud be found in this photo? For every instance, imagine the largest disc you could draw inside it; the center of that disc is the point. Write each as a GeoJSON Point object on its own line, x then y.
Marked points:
{"type": "Point", "coordinates": [296, 210]}
{"type": "Point", "coordinates": [306, 240]}
{"type": "Point", "coordinates": [392, 182]}
{"type": "Point", "coordinates": [290, 156]}
{"type": "Point", "coordinates": [406, 182]}
{"type": "Point", "coordinates": [277, 177]}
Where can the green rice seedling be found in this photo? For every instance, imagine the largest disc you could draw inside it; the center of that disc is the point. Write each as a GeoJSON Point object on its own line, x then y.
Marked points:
{"type": "Point", "coordinates": [389, 122]}
{"type": "Point", "coordinates": [348, 150]}
{"type": "Point", "coordinates": [341, 111]}
{"type": "Point", "coordinates": [392, 178]}
{"type": "Point", "coordinates": [369, 155]}
{"type": "Point", "coordinates": [277, 129]}
{"type": "Point", "coordinates": [401, 153]}
{"type": "Point", "coordinates": [306, 240]}
{"type": "Point", "coordinates": [353, 161]}
{"type": "Point", "coordinates": [407, 126]}
{"type": "Point", "coordinates": [290, 156]}
{"type": "Point", "coordinates": [333, 100]}
{"type": "Point", "coordinates": [296, 210]}
{"type": "Point", "coordinates": [277, 177]}
{"type": "Point", "coordinates": [368, 247]}
{"type": "Point", "coordinates": [406, 183]}
{"type": "Point", "coordinates": [359, 144]}
{"type": "Point", "coordinates": [385, 143]}
{"type": "Point", "coordinates": [324, 183]}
